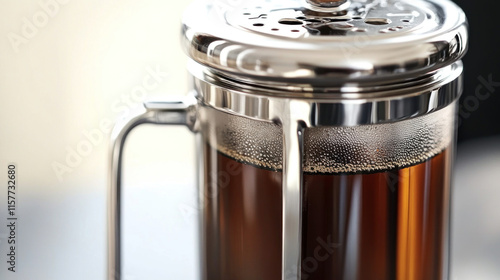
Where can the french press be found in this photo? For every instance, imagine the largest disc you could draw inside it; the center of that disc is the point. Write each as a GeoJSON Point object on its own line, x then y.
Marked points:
{"type": "Point", "coordinates": [325, 132]}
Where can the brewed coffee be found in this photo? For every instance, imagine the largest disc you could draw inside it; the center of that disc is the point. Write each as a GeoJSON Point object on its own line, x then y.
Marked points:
{"type": "Point", "coordinates": [380, 225]}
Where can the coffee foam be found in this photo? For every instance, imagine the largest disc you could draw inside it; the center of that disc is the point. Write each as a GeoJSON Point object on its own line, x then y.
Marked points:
{"type": "Point", "coordinates": [366, 148]}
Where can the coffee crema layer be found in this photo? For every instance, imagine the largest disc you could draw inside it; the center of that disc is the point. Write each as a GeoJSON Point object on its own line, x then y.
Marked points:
{"type": "Point", "coordinates": [366, 148]}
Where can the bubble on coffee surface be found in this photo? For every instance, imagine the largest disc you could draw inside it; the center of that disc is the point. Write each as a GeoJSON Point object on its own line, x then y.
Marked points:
{"type": "Point", "coordinates": [250, 141]}
{"type": "Point", "coordinates": [377, 147]}
{"type": "Point", "coordinates": [366, 148]}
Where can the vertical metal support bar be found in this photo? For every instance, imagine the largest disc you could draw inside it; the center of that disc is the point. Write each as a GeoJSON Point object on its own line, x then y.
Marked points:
{"type": "Point", "coordinates": [294, 123]}
{"type": "Point", "coordinates": [200, 162]}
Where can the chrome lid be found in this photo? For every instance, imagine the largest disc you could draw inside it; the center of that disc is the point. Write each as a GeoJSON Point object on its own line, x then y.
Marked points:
{"type": "Point", "coordinates": [333, 41]}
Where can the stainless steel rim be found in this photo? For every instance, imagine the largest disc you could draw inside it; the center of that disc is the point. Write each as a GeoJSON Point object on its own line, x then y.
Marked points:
{"type": "Point", "coordinates": [349, 105]}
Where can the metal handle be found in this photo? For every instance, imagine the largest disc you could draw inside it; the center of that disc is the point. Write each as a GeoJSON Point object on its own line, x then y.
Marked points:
{"type": "Point", "coordinates": [178, 112]}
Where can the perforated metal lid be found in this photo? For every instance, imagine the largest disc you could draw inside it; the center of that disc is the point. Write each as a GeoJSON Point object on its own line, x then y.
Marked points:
{"type": "Point", "coordinates": [335, 40]}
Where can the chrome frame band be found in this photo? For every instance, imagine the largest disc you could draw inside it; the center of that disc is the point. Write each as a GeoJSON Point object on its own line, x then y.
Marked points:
{"type": "Point", "coordinates": [349, 105]}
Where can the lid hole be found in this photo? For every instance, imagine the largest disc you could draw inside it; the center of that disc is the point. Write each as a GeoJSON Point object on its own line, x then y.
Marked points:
{"type": "Point", "coordinates": [377, 21]}
{"type": "Point", "coordinates": [290, 21]}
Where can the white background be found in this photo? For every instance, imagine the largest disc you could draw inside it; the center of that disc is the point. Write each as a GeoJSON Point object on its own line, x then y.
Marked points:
{"type": "Point", "coordinates": [72, 74]}
{"type": "Point", "coordinates": [85, 64]}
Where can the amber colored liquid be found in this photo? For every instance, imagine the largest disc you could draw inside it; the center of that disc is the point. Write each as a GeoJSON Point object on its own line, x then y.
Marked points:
{"type": "Point", "coordinates": [378, 226]}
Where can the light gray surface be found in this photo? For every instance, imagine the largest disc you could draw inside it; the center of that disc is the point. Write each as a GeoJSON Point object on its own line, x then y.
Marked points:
{"type": "Point", "coordinates": [476, 218]}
